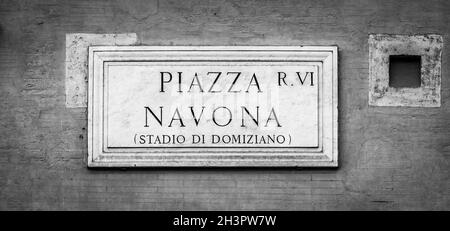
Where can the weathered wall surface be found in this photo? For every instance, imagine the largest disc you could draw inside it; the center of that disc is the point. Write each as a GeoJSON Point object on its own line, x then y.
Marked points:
{"type": "Point", "coordinates": [390, 157]}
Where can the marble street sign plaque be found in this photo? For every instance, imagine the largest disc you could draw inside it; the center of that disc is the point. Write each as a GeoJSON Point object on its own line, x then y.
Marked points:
{"type": "Point", "coordinates": [153, 106]}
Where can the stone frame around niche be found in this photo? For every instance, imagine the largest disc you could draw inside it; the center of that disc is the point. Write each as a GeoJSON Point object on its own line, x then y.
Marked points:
{"type": "Point", "coordinates": [429, 47]}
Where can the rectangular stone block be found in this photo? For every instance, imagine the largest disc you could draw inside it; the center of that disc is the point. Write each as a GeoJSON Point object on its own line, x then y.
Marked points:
{"type": "Point", "coordinates": [212, 106]}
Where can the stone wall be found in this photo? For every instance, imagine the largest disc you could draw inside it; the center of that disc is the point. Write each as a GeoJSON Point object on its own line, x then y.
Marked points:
{"type": "Point", "coordinates": [390, 157]}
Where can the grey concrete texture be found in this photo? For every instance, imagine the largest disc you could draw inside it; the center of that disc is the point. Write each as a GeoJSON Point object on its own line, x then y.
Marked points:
{"type": "Point", "coordinates": [391, 158]}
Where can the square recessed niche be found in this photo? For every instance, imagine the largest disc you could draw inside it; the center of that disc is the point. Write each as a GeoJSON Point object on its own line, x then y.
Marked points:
{"type": "Point", "coordinates": [405, 70]}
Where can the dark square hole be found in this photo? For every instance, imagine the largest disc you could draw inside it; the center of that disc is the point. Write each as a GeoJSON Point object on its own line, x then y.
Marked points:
{"type": "Point", "coordinates": [404, 71]}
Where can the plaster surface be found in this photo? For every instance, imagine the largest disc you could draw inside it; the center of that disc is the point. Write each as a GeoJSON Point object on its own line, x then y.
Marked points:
{"type": "Point", "coordinates": [390, 157]}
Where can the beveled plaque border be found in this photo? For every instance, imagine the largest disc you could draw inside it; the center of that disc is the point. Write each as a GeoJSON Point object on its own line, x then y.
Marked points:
{"type": "Point", "coordinates": [326, 155]}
